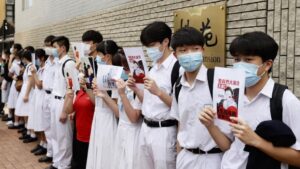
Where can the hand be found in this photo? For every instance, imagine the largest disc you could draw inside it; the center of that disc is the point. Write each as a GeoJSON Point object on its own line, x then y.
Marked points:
{"type": "Point", "coordinates": [121, 85]}
{"type": "Point", "coordinates": [32, 69]}
{"type": "Point", "coordinates": [151, 86]}
{"type": "Point", "coordinates": [100, 93]}
{"type": "Point", "coordinates": [63, 117]}
{"type": "Point", "coordinates": [70, 94]}
{"type": "Point", "coordinates": [72, 116]}
{"type": "Point", "coordinates": [15, 77]}
{"type": "Point", "coordinates": [131, 82]}
{"type": "Point", "coordinates": [25, 99]}
{"type": "Point", "coordinates": [242, 131]}
{"type": "Point", "coordinates": [207, 116]}
{"type": "Point", "coordinates": [82, 83]}
{"type": "Point", "coordinates": [94, 84]}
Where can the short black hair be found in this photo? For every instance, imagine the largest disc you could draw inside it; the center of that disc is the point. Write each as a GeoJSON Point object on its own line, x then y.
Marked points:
{"type": "Point", "coordinates": [108, 47]}
{"type": "Point", "coordinates": [92, 35]}
{"type": "Point", "coordinates": [187, 36]}
{"type": "Point", "coordinates": [27, 55]}
{"type": "Point", "coordinates": [29, 48]}
{"type": "Point", "coordinates": [254, 44]}
{"type": "Point", "coordinates": [155, 32]}
{"type": "Point", "coordinates": [49, 39]}
{"type": "Point", "coordinates": [40, 53]}
{"type": "Point", "coordinates": [17, 46]}
{"type": "Point", "coordinates": [62, 41]}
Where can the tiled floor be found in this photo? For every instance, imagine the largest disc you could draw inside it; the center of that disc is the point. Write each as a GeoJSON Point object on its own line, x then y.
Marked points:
{"type": "Point", "coordinates": [14, 154]}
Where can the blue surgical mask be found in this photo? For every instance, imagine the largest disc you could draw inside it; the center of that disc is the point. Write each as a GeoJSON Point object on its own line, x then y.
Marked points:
{"type": "Point", "coordinates": [251, 72]}
{"type": "Point", "coordinates": [55, 53]}
{"type": "Point", "coordinates": [191, 61]}
{"type": "Point", "coordinates": [100, 61]}
{"type": "Point", "coordinates": [124, 76]}
{"type": "Point", "coordinates": [154, 53]}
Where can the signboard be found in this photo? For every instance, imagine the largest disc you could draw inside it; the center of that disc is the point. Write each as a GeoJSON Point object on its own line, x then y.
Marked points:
{"type": "Point", "coordinates": [210, 21]}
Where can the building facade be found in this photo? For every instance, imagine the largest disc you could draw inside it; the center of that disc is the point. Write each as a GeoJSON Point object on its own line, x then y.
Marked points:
{"type": "Point", "coordinates": [123, 20]}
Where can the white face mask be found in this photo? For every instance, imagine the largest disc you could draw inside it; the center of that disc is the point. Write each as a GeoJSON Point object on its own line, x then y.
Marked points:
{"type": "Point", "coordinates": [11, 50]}
{"type": "Point", "coordinates": [87, 49]}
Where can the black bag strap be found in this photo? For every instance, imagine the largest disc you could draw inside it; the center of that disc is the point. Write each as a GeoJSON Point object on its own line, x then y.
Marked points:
{"type": "Point", "coordinates": [64, 64]}
{"type": "Point", "coordinates": [174, 74]}
{"type": "Point", "coordinates": [276, 101]}
{"type": "Point", "coordinates": [177, 88]}
{"type": "Point", "coordinates": [210, 79]}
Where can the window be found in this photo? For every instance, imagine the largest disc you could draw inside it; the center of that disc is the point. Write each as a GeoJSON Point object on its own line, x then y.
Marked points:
{"type": "Point", "coordinates": [26, 4]}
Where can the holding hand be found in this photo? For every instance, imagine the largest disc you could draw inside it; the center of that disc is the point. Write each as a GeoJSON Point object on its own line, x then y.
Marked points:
{"type": "Point", "coordinates": [121, 85]}
{"type": "Point", "coordinates": [207, 116]}
{"type": "Point", "coordinates": [151, 86]}
{"type": "Point", "coordinates": [32, 69]}
{"type": "Point", "coordinates": [131, 82]}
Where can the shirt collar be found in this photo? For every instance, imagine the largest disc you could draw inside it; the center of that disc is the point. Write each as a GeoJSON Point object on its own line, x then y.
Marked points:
{"type": "Point", "coordinates": [166, 62]}
{"type": "Point", "coordinates": [201, 76]}
{"type": "Point", "coordinates": [63, 59]}
{"type": "Point", "coordinates": [268, 88]}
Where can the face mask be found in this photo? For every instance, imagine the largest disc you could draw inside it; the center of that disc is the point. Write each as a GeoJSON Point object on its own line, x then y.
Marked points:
{"type": "Point", "coordinates": [154, 53]}
{"type": "Point", "coordinates": [100, 61]}
{"type": "Point", "coordinates": [191, 61]}
{"type": "Point", "coordinates": [251, 72]}
{"type": "Point", "coordinates": [55, 53]}
{"type": "Point", "coordinates": [11, 50]}
{"type": "Point", "coordinates": [48, 51]}
{"type": "Point", "coordinates": [37, 62]}
{"type": "Point", "coordinates": [87, 49]}
{"type": "Point", "coordinates": [124, 76]}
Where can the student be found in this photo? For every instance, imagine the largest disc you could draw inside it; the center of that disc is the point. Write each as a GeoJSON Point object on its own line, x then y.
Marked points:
{"type": "Point", "coordinates": [14, 70]}
{"type": "Point", "coordinates": [129, 121]}
{"type": "Point", "coordinates": [104, 127]}
{"type": "Point", "coordinates": [66, 76]}
{"type": "Point", "coordinates": [157, 149]}
{"type": "Point", "coordinates": [48, 76]}
{"type": "Point", "coordinates": [254, 53]}
{"type": "Point", "coordinates": [6, 79]}
{"type": "Point", "coordinates": [25, 100]}
{"type": "Point", "coordinates": [38, 115]}
{"type": "Point", "coordinates": [198, 148]}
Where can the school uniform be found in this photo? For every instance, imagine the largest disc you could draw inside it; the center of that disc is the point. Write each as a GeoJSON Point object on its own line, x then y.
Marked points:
{"type": "Point", "coordinates": [5, 86]}
{"type": "Point", "coordinates": [25, 109]}
{"type": "Point", "coordinates": [127, 138]}
{"type": "Point", "coordinates": [38, 115]}
{"type": "Point", "coordinates": [103, 133]}
{"type": "Point", "coordinates": [157, 149]}
{"type": "Point", "coordinates": [62, 132]}
{"type": "Point", "coordinates": [48, 76]}
{"type": "Point", "coordinates": [13, 93]}
{"type": "Point", "coordinates": [199, 150]}
{"type": "Point", "coordinates": [256, 111]}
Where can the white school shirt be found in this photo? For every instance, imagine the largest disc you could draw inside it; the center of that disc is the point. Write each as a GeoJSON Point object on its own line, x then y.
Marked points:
{"type": "Point", "coordinates": [257, 111]}
{"type": "Point", "coordinates": [153, 108]}
{"type": "Point", "coordinates": [191, 100]}
{"type": "Point", "coordinates": [49, 74]}
{"type": "Point", "coordinates": [60, 81]}
{"type": "Point", "coordinates": [15, 67]}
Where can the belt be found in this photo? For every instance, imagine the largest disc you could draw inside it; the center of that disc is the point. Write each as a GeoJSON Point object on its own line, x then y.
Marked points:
{"type": "Point", "coordinates": [199, 151]}
{"type": "Point", "coordinates": [58, 97]}
{"type": "Point", "coordinates": [166, 123]}
{"type": "Point", "coordinates": [48, 91]}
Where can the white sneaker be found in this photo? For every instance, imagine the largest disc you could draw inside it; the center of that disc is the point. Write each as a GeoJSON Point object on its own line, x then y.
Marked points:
{"type": "Point", "coordinates": [9, 123]}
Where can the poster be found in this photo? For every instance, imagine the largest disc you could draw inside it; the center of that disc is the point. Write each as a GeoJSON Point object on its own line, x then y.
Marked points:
{"type": "Point", "coordinates": [78, 49]}
{"type": "Point", "coordinates": [137, 63]}
{"type": "Point", "coordinates": [229, 86]}
{"type": "Point", "coordinates": [106, 76]}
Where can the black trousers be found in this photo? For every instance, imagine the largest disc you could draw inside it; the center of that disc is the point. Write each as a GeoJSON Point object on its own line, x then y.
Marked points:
{"type": "Point", "coordinates": [80, 152]}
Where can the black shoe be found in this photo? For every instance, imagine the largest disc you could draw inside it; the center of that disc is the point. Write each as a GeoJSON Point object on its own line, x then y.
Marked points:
{"type": "Point", "coordinates": [21, 130]}
{"type": "Point", "coordinates": [41, 151]}
{"type": "Point", "coordinates": [6, 118]}
{"type": "Point", "coordinates": [24, 137]}
{"type": "Point", "coordinates": [24, 132]}
{"type": "Point", "coordinates": [45, 159]}
{"type": "Point", "coordinates": [30, 139]}
{"type": "Point", "coordinates": [36, 148]}
{"type": "Point", "coordinates": [12, 126]}
{"type": "Point", "coordinates": [51, 167]}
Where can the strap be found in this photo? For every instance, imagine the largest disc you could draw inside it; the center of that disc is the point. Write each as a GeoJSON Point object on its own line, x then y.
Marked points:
{"type": "Point", "coordinates": [64, 64]}
{"type": "Point", "coordinates": [276, 101]}
{"type": "Point", "coordinates": [178, 87]}
{"type": "Point", "coordinates": [174, 74]}
{"type": "Point", "coordinates": [210, 79]}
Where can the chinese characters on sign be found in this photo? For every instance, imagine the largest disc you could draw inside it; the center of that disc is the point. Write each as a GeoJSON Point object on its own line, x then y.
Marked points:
{"type": "Point", "coordinates": [210, 21]}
